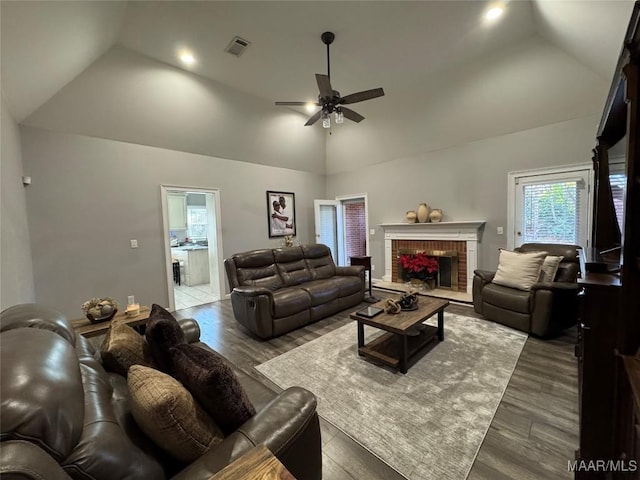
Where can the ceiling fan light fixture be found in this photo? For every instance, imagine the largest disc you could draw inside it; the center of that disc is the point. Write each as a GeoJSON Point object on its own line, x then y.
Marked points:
{"type": "Point", "coordinates": [326, 120]}
{"type": "Point", "coordinates": [330, 100]}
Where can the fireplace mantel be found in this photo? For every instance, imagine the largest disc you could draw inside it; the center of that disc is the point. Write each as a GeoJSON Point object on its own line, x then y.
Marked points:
{"type": "Point", "coordinates": [463, 231]}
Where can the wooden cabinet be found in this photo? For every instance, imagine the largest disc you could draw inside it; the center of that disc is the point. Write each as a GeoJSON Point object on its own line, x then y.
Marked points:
{"type": "Point", "coordinates": [194, 265]}
{"type": "Point", "coordinates": [596, 366]}
{"type": "Point", "coordinates": [177, 208]}
{"type": "Point", "coordinates": [610, 334]}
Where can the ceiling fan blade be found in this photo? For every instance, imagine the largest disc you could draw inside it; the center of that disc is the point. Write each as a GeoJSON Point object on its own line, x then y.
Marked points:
{"type": "Point", "coordinates": [292, 104]}
{"type": "Point", "coordinates": [324, 85]}
{"type": "Point", "coordinates": [351, 115]}
{"type": "Point", "coordinates": [362, 96]}
{"type": "Point", "coordinates": [314, 118]}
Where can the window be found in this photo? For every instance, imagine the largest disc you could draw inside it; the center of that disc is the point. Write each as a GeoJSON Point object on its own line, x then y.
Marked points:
{"type": "Point", "coordinates": [197, 223]}
{"type": "Point", "coordinates": [618, 183]}
{"type": "Point", "coordinates": [549, 214]}
{"type": "Point", "coordinates": [550, 206]}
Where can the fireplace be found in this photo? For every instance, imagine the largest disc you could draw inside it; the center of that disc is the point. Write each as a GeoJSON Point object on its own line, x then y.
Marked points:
{"type": "Point", "coordinates": [447, 275]}
{"type": "Point", "coordinates": [458, 240]}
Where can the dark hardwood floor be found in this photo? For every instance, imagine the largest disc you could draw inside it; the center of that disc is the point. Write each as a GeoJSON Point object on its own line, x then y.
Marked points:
{"type": "Point", "coordinates": [533, 434]}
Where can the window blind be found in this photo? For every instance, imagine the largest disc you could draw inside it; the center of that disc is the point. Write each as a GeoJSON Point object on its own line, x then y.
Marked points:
{"type": "Point", "coordinates": [618, 183]}
{"type": "Point", "coordinates": [328, 234]}
{"type": "Point", "coordinates": [551, 212]}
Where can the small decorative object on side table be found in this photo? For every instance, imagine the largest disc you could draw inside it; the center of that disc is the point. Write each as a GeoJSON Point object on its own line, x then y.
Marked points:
{"type": "Point", "coordinates": [100, 309]}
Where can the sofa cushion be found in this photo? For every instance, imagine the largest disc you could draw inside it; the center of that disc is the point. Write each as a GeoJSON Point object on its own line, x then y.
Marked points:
{"type": "Point", "coordinates": [166, 411]}
{"type": "Point", "coordinates": [321, 291]}
{"type": "Point", "coordinates": [508, 298]}
{"type": "Point", "coordinates": [550, 268]}
{"type": "Point", "coordinates": [32, 315]}
{"type": "Point", "coordinates": [289, 301]}
{"type": "Point", "coordinates": [294, 273]}
{"type": "Point", "coordinates": [267, 276]}
{"type": "Point", "coordinates": [123, 347]}
{"type": "Point", "coordinates": [162, 332]}
{"type": "Point", "coordinates": [41, 386]}
{"type": "Point", "coordinates": [319, 261]}
{"type": "Point", "coordinates": [348, 285]}
{"type": "Point", "coordinates": [518, 270]}
{"type": "Point", "coordinates": [213, 383]}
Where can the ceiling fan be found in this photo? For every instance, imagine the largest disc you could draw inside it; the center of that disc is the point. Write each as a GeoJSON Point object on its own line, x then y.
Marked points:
{"type": "Point", "coordinates": [330, 99]}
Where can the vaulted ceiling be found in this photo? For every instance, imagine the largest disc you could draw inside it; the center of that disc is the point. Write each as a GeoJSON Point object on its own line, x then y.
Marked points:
{"type": "Point", "coordinates": [401, 46]}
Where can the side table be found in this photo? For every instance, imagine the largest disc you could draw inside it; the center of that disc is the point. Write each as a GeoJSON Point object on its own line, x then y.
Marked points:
{"type": "Point", "coordinates": [257, 464]}
{"type": "Point", "coordinates": [365, 260]}
{"type": "Point", "coordinates": [83, 326]}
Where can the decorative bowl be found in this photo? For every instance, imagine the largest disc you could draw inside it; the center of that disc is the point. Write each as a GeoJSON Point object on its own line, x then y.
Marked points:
{"type": "Point", "coordinates": [93, 319]}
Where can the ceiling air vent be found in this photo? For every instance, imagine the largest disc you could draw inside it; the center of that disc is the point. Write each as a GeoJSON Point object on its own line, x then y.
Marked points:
{"type": "Point", "coordinates": [237, 46]}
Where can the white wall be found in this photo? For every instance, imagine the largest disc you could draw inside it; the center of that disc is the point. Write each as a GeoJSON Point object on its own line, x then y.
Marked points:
{"type": "Point", "coordinates": [127, 96]}
{"type": "Point", "coordinates": [16, 268]}
{"type": "Point", "coordinates": [90, 196]}
{"type": "Point", "coordinates": [468, 182]}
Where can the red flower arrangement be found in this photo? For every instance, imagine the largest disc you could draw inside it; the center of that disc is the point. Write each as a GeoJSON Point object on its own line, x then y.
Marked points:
{"type": "Point", "coordinates": [419, 265]}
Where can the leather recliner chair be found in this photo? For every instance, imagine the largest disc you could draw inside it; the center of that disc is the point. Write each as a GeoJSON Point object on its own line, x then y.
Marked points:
{"type": "Point", "coordinates": [547, 309]}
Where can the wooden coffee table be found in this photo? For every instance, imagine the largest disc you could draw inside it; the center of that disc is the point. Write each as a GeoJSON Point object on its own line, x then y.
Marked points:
{"type": "Point", "coordinates": [397, 348]}
{"type": "Point", "coordinates": [83, 326]}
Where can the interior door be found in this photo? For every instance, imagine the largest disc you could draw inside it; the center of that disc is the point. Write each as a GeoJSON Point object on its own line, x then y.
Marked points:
{"type": "Point", "coordinates": [329, 227]}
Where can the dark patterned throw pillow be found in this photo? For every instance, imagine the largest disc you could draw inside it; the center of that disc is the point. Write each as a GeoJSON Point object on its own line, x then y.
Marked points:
{"type": "Point", "coordinates": [213, 383]}
{"type": "Point", "coordinates": [162, 332]}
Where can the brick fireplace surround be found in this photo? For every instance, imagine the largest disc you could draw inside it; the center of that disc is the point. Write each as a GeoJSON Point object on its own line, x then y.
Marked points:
{"type": "Point", "coordinates": [461, 237]}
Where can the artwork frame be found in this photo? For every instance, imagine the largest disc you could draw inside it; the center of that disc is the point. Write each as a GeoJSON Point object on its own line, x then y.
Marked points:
{"type": "Point", "coordinates": [281, 220]}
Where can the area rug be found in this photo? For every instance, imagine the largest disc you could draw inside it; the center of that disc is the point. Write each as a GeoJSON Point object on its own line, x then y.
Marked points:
{"type": "Point", "coordinates": [427, 424]}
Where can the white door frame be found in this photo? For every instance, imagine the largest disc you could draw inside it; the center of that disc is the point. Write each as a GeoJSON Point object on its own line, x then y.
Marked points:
{"type": "Point", "coordinates": [512, 187]}
{"type": "Point", "coordinates": [340, 221]}
{"type": "Point", "coordinates": [342, 199]}
{"type": "Point", "coordinates": [217, 252]}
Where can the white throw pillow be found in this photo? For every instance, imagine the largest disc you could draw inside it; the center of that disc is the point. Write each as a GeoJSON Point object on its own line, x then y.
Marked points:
{"type": "Point", "coordinates": [550, 268]}
{"type": "Point", "coordinates": [519, 270]}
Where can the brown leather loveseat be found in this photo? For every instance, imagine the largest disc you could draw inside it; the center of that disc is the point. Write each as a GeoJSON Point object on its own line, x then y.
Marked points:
{"type": "Point", "coordinates": [65, 417]}
{"type": "Point", "coordinates": [278, 290]}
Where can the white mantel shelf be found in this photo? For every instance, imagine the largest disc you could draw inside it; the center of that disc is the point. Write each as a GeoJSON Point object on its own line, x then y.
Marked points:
{"type": "Point", "coordinates": [463, 231]}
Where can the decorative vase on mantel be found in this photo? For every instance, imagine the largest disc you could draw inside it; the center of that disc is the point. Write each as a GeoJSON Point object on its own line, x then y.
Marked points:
{"type": "Point", "coordinates": [436, 215]}
{"type": "Point", "coordinates": [423, 213]}
{"type": "Point", "coordinates": [411, 216]}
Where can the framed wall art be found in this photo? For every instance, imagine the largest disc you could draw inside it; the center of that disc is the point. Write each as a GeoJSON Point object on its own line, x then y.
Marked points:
{"type": "Point", "coordinates": [281, 213]}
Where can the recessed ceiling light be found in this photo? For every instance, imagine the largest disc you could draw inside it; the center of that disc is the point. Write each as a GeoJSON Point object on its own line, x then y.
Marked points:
{"type": "Point", "coordinates": [310, 106]}
{"type": "Point", "coordinates": [494, 12]}
{"type": "Point", "coordinates": [187, 57]}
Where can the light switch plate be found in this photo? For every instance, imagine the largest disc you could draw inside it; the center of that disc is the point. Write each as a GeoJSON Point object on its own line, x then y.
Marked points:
{"type": "Point", "coordinates": [500, 231]}
{"type": "Point", "coordinates": [134, 243]}
{"type": "Point", "coordinates": [372, 231]}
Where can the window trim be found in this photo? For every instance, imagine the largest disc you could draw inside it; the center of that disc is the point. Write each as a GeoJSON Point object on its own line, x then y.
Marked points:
{"type": "Point", "coordinates": [513, 180]}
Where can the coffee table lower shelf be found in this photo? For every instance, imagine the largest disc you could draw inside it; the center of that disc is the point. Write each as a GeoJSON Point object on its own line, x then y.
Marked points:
{"type": "Point", "coordinates": [387, 348]}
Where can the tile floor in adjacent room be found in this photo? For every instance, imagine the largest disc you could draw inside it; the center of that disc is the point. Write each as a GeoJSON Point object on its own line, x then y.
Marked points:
{"type": "Point", "coordinates": [186, 297]}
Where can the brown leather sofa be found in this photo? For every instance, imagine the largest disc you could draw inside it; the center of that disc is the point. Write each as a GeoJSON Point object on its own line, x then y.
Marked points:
{"type": "Point", "coordinates": [274, 291]}
{"type": "Point", "coordinates": [64, 417]}
{"type": "Point", "coordinates": [545, 310]}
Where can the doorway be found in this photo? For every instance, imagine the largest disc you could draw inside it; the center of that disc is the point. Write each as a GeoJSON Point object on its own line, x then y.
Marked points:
{"type": "Point", "coordinates": [193, 245]}
{"type": "Point", "coordinates": [550, 206]}
{"type": "Point", "coordinates": [342, 224]}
